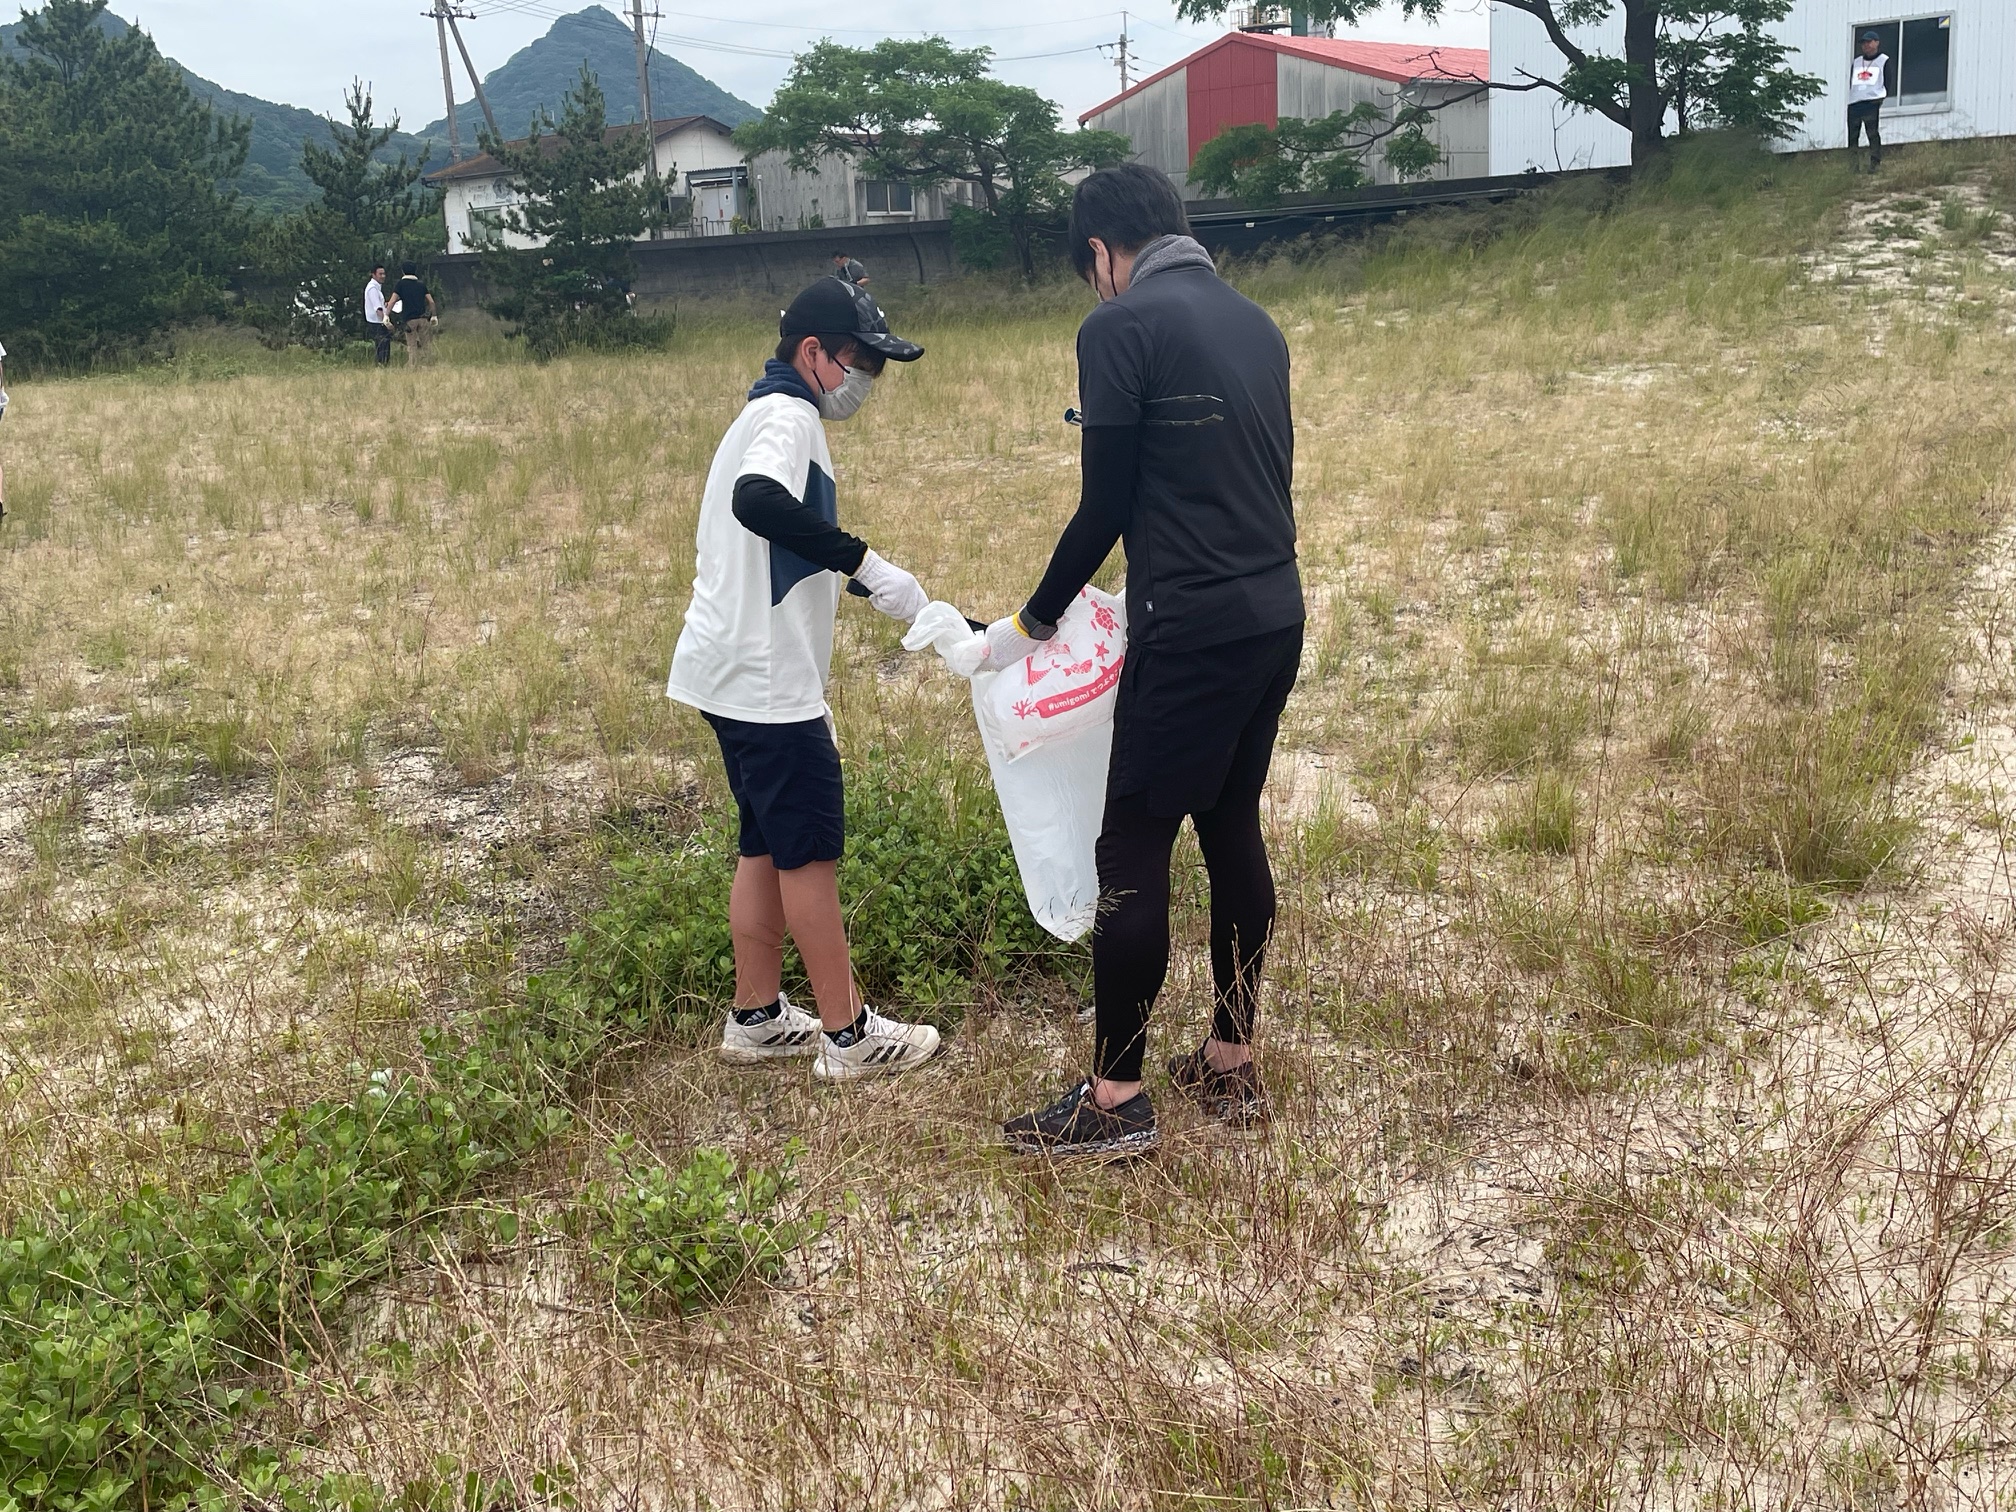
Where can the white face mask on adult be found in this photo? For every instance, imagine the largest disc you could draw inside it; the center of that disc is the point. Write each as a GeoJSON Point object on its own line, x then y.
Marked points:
{"type": "Point", "coordinates": [841, 403]}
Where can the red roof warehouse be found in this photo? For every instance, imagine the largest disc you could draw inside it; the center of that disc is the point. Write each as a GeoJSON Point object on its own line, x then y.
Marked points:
{"type": "Point", "coordinates": [1255, 77]}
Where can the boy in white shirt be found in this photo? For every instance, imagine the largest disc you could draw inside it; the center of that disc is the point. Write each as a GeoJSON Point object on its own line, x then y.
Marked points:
{"type": "Point", "coordinates": [753, 658]}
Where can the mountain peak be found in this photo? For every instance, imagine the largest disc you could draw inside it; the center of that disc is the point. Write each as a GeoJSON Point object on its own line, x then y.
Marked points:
{"type": "Point", "coordinates": [540, 74]}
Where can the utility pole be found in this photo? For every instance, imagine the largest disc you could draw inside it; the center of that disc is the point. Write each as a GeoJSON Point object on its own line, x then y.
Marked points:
{"type": "Point", "coordinates": [440, 15]}
{"type": "Point", "coordinates": [643, 63]}
{"type": "Point", "coordinates": [644, 96]}
{"type": "Point", "coordinates": [489, 116]}
{"type": "Point", "coordinates": [1123, 57]}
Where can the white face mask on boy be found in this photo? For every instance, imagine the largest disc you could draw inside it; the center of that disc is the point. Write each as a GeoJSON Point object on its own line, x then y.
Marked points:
{"type": "Point", "coordinates": [841, 403]}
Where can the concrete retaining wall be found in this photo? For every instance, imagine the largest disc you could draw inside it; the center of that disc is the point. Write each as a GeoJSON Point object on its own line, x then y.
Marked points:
{"type": "Point", "coordinates": [761, 264]}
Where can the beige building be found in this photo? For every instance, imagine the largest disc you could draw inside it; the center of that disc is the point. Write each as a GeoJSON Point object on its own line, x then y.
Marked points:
{"type": "Point", "coordinates": [835, 193]}
{"type": "Point", "coordinates": [707, 176]}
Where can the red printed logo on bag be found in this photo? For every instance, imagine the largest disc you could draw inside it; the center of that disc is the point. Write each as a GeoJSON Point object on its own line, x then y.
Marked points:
{"type": "Point", "coordinates": [1063, 703]}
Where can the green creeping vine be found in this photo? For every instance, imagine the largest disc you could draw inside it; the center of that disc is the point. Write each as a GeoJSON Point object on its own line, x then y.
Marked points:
{"type": "Point", "coordinates": [131, 1334]}
{"type": "Point", "coordinates": [672, 1242]}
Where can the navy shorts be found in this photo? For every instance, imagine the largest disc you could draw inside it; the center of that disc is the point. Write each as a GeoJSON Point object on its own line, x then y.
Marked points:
{"type": "Point", "coordinates": [786, 782]}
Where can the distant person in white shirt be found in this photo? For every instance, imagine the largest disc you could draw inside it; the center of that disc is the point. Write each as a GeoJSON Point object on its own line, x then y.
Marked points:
{"type": "Point", "coordinates": [376, 320]}
{"type": "Point", "coordinates": [1868, 88]}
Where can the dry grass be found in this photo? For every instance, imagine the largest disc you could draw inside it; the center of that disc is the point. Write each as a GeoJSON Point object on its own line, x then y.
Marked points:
{"type": "Point", "coordinates": [1639, 1023]}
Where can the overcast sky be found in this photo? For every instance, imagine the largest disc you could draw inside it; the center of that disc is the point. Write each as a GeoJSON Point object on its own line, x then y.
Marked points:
{"type": "Point", "coordinates": [303, 52]}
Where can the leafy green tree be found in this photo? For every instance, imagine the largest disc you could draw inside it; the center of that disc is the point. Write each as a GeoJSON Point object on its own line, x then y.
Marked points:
{"type": "Point", "coordinates": [586, 195]}
{"type": "Point", "coordinates": [113, 222]}
{"type": "Point", "coordinates": [925, 113]}
{"type": "Point", "coordinates": [1707, 62]}
{"type": "Point", "coordinates": [1259, 164]}
{"type": "Point", "coordinates": [369, 211]}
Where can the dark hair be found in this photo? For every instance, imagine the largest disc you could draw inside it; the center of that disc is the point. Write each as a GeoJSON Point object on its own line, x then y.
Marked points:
{"type": "Point", "coordinates": [377, 267]}
{"type": "Point", "coordinates": [409, 267]}
{"type": "Point", "coordinates": [866, 357]}
{"type": "Point", "coordinates": [1126, 207]}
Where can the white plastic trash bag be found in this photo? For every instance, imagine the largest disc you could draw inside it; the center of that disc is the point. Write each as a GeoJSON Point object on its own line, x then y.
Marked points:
{"type": "Point", "coordinates": [1047, 726]}
{"type": "Point", "coordinates": [1069, 684]}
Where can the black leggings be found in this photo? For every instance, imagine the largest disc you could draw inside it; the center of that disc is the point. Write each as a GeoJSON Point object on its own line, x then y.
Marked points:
{"type": "Point", "coordinates": [1869, 117]}
{"type": "Point", "coordinates": [1130, 940]}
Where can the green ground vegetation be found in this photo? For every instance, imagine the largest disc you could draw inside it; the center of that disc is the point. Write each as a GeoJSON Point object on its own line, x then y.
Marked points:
{"type": "Point", "coordinates": [361, 1136]}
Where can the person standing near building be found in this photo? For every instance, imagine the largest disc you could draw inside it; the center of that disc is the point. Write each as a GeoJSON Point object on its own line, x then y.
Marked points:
{"type": "Point", "coordinates": [417, 315]}
{"type": "Point", "coordinates": [377, 320]}
{"type": "Point", "coordinates": [1868, 88]}
{"type": "Point", "coordinates": [1187, 455]}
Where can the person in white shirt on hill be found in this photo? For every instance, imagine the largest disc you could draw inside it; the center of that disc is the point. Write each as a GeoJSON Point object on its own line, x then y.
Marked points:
{"type": "Point", "coordinates": [1868, 88]}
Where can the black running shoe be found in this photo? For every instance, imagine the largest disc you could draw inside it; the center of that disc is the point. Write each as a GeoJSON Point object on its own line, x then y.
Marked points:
{"type": "Point", "coordinates": [1232, 1097]}
{"type": "Point", "coordinates": [1076, 1125]}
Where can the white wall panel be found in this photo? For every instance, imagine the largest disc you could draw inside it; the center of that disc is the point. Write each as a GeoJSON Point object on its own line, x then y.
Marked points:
{"type": "Point", "coordinates": [1535, 130]}
{"type": "Point", "coordinates": [1156, 119]}
{"type": "Point", "coordinates": [1309, 90]}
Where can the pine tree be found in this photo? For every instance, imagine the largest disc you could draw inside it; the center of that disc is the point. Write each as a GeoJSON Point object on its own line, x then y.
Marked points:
{"type": "Point", "coordinates": [585, 197]}
{"type": "Point", "coordinates": [370, 212]}
{"type": "Point", "coordinates": [113, 224]}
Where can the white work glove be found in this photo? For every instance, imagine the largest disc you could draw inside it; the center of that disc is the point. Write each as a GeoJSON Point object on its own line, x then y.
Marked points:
{"type": "Point", "coordinates": [1008, 643]}
{"type": "Point", "coordinates": [892, 590]}
{"type": "Point", "coordinates": [3, 404]}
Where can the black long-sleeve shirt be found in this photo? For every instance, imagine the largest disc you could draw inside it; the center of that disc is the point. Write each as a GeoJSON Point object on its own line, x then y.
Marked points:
{"type": "Point", "coordinates": [766, 508]}
{"type": "Point", "coordinates": [1109, 462]}
{"type": "Point", "coordinates": [1188, 455]}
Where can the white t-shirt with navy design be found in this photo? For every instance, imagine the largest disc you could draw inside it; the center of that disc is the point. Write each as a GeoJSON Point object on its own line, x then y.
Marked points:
{"type": "Point", "coordinates": [758, 639]}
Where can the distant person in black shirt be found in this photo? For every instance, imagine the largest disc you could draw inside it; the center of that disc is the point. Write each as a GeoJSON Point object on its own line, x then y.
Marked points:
{"type": "Point", "coordinates": [417, 315]}
{"type": "Point", "coordinates": [1187, 456]}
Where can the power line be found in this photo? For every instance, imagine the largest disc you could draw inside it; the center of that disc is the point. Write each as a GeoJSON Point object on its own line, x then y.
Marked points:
{"type": "Point", "coordinates": [546, 9]}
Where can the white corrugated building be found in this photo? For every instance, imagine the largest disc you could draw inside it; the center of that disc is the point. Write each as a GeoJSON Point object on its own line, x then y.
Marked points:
{"type": "Point", "coordinates": [1257, 77]}
{"type": "Point", "coordinates": [1953, 75]}
{"type": "Point", "coordinates": [696, 156]}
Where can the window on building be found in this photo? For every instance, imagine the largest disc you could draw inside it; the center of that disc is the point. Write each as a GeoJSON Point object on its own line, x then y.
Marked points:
{"type": "Point", "coordinates": [486, 226]}
{"type": "Point", "coordinates": [1921, 57]}
{"type": "Point", "coordinates": [888, 198]}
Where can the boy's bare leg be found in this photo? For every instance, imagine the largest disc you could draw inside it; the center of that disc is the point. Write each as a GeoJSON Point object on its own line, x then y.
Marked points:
{"type": "Point", "coordinates": [811, 895]}
{"type": "Point", "coordinates": [756, 921]}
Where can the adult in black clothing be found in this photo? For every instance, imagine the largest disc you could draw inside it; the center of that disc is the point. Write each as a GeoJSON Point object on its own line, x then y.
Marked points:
{"type": "Point", "coordinates": [417, 315]}
{"type": "Point", "coordinates": [1187, 455]}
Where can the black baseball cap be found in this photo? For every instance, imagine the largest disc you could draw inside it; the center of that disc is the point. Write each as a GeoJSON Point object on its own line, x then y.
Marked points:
{"type": "Point", "coordinates": [833, 309]}
{"type": "Point", "coordinates": [1872, 36]}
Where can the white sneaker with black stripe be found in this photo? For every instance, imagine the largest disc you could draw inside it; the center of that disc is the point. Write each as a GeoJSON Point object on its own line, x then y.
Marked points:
{"type": "Point", "coordinates": [792, 1031]}
{"type": "Point", "coordinates": [877, 1047]}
